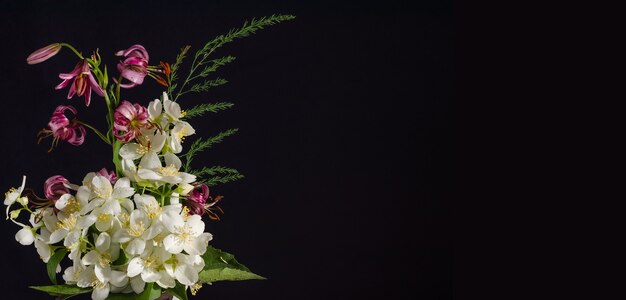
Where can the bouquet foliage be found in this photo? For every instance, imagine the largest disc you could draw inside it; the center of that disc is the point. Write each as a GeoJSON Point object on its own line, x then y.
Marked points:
{"type": "Point", "coordinates": [135, 231]}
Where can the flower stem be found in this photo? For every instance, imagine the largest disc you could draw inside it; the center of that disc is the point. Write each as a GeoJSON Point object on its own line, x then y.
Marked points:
{"type": "Point", "coordinates": [96, 131]}
{"type": "Point", "coordinates": [116, 157]}
{"type": "Point", "coordinates": [73, 49]}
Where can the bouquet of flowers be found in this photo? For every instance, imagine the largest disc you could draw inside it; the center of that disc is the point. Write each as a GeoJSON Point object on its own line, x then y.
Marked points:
{"type": "Point", "coordinates": [135, 231]}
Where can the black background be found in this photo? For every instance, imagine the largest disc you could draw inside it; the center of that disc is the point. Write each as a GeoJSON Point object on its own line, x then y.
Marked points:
{"type": "Point", "coordinates": [345, 136]}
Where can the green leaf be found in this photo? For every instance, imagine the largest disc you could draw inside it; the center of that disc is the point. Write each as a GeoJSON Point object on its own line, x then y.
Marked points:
{"type": "Point", "coordinates": [150, 292]}
{"type": "Point", "coordinates": [220, 266]}
{"type": "Point", "coordinates": [62, 290]}
{"type": "Point", "coordinates": [54, 261]}
{"type": "Point", "coordinates": [201, 109]}
{"type": "Point", "coordinates": [179, 291]}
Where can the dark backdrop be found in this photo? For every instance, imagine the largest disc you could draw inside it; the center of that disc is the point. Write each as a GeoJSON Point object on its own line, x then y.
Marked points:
{"type": "Point", "coordinates": [345, 136]}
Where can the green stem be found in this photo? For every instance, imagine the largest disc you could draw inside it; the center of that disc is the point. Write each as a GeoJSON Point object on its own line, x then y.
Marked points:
{"type": "Point", "coordinates": [193, 69]}
{"type": "Point", "coordinates": [96, 131]}
{"type": "Point", "coordinates": [117, 90]}
{"type": "Point", "coordinates": [73, 49]}
{"type": "Point", "coordinates": [116, 158]}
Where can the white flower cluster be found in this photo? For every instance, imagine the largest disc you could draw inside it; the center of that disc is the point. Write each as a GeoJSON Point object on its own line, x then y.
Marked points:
{"type": "Point", "coordinates": [118, 240]}
{"type": "Point", "coordinates": [166, 140]}
{"type": "Point", "coordinates": [121, 236]}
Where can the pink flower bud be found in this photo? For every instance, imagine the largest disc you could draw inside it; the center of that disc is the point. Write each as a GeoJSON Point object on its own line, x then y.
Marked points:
{"type": "Point", "coordinates": [55, 187]}
{"type": "Point", "coordinates": [43, 54]}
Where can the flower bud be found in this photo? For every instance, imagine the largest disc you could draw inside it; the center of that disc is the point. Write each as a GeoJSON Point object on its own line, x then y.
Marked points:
{"type": "Point", "coordinates": [23, 201]}
{"type": "Point", "coordinates": [183, 189]}
{"type": "Point", "coordinates": [43, 54]}
{"type": "Point", "coordinates": [15, 213]}
{"type": "Point", "coordinates": [25, 236]}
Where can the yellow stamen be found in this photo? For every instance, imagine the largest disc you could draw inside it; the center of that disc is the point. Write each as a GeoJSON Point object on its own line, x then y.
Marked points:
{"type": "Point", "coordinates": [141, 150]}
{"type": "Point", "coordinates": [98, 284]}
{"type": "Point", "coordinates": [104, 217]}
{"type": "Point", "coordinates": [194, 288]}
{"type": "Point", "coordinates": [153, 210]}
{"type": "Point", "coordinates": [103, 193]}
{"type": "Point", "coordinates": [136, 230]}
{"type": "Point", "coordinates": [104, 260]}
{"type": "Point", "coordinates": [124, 219]}
{"type": "Point", "coordinates": [67, 223]}
{"type": "Point", "coordinates": [185, 213]}
{"type": "Point", "coordinates": [72, 206]}
{"type": "Point", "coordinates": [170, 170]}
{"type": "Point", "coordinates": [182, 134]}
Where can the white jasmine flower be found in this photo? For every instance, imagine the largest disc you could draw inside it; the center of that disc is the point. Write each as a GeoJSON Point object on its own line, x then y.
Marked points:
{"type": "Point", "coordinates": [101, 289]}
{"type": "Point", "coordinates": [110, 198]}
{"type": "Point", "coordinates": [181, 130]}
{"type": "Point", "coordinates": [184, 268]}
{"type": "Point", "coordinates": [102, 256]}
{"type": "Point", "coordinates": [170, 173]}
{"type": "Point", "coordinates": [139, 231]}
{"type": "Point", "coordinates": [13, 194]}
{"type": "Point", "coordinates": [152, 143]}
{"type": "Point", "coordinates": [172, 115]}
{"type": "Point", "coordinates": [188, 236]}
{"type": "Point", "coordinates": [153, 210]}
{"type": "Point", "coordinates": [149, 265]}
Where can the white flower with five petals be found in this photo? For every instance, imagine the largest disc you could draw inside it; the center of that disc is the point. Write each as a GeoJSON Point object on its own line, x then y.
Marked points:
{"type": "Point", "coordinates": [186, 235]}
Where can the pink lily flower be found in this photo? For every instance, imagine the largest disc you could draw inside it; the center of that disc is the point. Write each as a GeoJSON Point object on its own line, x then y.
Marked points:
{"type": "Point", "coordinates": [43, 54]}
{"type": "Point", "coordinates": [199, 202]}
{"type": "Point", "coordinates": [61, 128]}
{"type": "Point", "coordinates": [83, 82]}
{"type": "Point", "coordinates": [129, 119]}
{"type": "Point", "coordinates": [197, 199]}
{"type": "Point", "coordinates": [135, 67]}
{"type": "Point", "coordinates": [55, 187]}
{"type": "Point", "coordinates": [110, 175]}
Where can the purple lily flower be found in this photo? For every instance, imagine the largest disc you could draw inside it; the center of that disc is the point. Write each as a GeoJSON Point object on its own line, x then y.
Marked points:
{"type": "Point", "coordinates": [196, 200]}
{"type": "Point", "coordinates": [110, 175]}
{"type": "Point", "coordinates": [83, 82]}
{"type": "Point", "coordinates": [61, 128]}
{"type": "Point", "coordinates": [55, 187]}
{"type": "Point", "coordinates": [129, 119]}
{"type": "Point", "coordinates": [135, 67]}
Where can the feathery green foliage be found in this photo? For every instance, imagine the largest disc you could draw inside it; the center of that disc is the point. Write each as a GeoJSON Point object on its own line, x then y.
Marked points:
{"type": "Point", "coordinates": [216, 180]}
{"type": "Point", "coordinates": [206, 85]}
{"type": "Point", "coordinates": [215, 64]}
{"type": "Point", "coordinates": [202, 144]}
{"type": "Point", "coordinates": [174, 69]}
{"type": "Point", "coordinates": [213, 176]}
{"type": "Point", "coordinates": [203, 108]}
{"type": "Point", "coordinates": [202, 55]}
